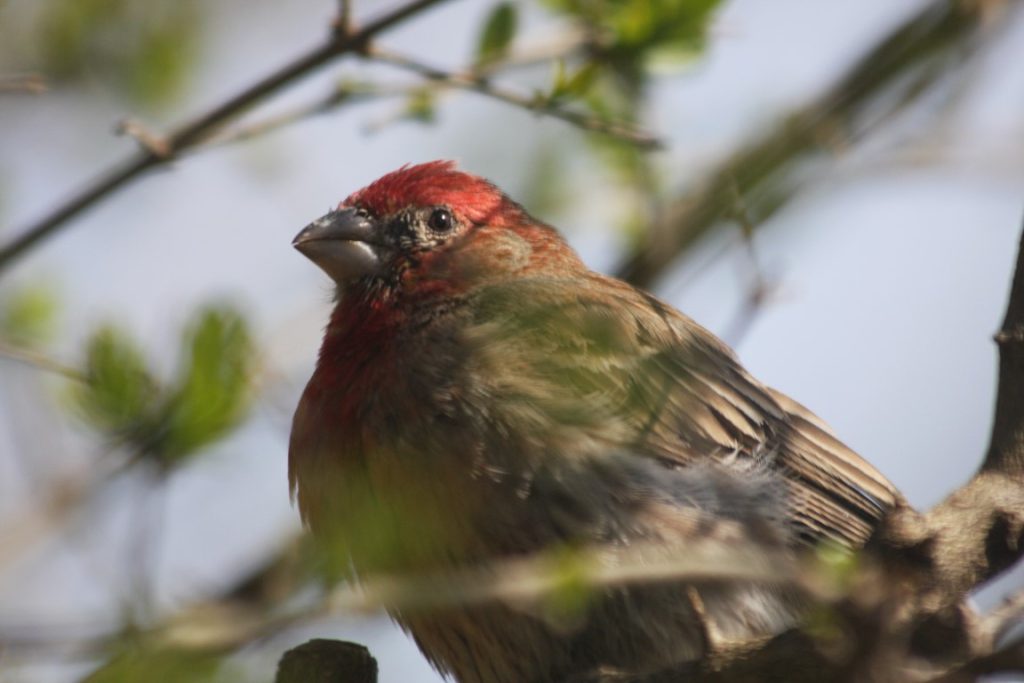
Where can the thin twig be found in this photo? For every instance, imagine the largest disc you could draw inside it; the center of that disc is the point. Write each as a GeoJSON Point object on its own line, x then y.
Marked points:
{"type": "Point", "coordinates": [761, 288]}
{"type": "Point", "coordinates": [155, 144]}
{"type": "Point", "coordinates": [347, 93]}
{"type": "Point", "coordinates": [564, 46]}
{"type": "Point", "coordinates": [1006, 660]}
{"type": "Point", "coordinates": [533, 578]}
{"type": "Point", "coordinates": [31, 526]}
{"type": "Point", "coordinates": [198, 129]}
{"type": "Point", "coordinates": [341, 95]}
{"type": "Point", "coordinates": [1001, 620]}
{"type": "Point", "coordinates": [228, 624]}
{"type": "Point", "coordinates": [941, 30]}
{"type": "Point", "coordinates": [143, 545]}
{"type": "Point", "coordinates": [39, 361]}
{"type": "Point", "coordinates": [535, 103]}
{"type": "Point", "coordinates": [30, 84]}
{"type": "Point", "coordinates": [344, 21]}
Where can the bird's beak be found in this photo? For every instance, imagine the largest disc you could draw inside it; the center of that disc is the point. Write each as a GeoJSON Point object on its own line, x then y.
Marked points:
{"type": "Point", "coordinates": [344, 243]}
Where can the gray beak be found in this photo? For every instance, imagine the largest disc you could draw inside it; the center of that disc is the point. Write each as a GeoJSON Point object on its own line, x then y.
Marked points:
{"type": "Point", "coordinates": [343, 243]}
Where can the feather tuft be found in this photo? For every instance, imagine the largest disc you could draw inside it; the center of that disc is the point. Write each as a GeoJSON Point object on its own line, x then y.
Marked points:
{"type": "Point", "coordinates": [437, 183]}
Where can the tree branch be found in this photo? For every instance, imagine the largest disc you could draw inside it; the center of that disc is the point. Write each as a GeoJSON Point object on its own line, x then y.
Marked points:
{"type": "Point", "coordinates": [537, 104]}
{"type": "Point", "coordinates": [1006, 450]}
{"type": "Point", "coordinates": [978, 531]}
{"type": "Point", "coordinates": [906, 61]}
{"type": "Point", "coordinates": [22, 84]}
{"type": "Point", "coordinates": [327, 661]}
{"type": "Point", "coordinates": [193, 132]}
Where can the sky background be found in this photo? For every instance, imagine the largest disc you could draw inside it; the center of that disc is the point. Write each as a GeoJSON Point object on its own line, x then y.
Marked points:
{"type": "Point", "coordinates": [892, 267]}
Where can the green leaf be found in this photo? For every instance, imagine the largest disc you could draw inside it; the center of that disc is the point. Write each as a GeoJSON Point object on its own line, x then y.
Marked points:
{"type": "Point", "coordinates": [28, 316]}
{"type": "Point", "coordinates": [161, 62]}
{"type": "Point", "coordinates": [421, 106]}
{"type": "Point", "coordinates": [572, 85]}
{"type": "Point", "coordinates": [118, 392]}
{"type": "Point", "coordinates": [573, 591]}
{"type": "Point", "coordinates": [498, 31]}
{"type": "Point", "coordinates": [145, 48]}
{"type": "Point", "coordinates": [634, 32]}
{"type": "Point", "coordinates": [211, 393]}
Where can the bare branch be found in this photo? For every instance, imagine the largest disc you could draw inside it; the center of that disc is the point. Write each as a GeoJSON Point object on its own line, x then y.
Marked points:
{"type": "Point", "coordinates": [195, 131]}
{"type": "Point", "coordinates": [761, 288]}
{"type": "Point", "coordinates": [341, 95]}
{"type": "Point", "coordinates": [322, 661]}
{"type": "Point", "coordinates": [343, 23]}
{"type": "Point", "coordinates": [39, 361]}
{"type": "Point", "coordinates": [1000, 621]}
{"type": "Point", "coordinates": [536, 103]}
{"type": "Point", "coordinates": [908, 60]}
{"type": "Point", "coordinates": [1006, 450]}
{"type": "Point", "coordinates": [978, 531]}
{"type": "Point", "coordinates": [157, 145]}
{"type": "Point", "coordinates": [530, 579]}
{"type": "Point", "coordinates": [1006, 660]}
{"type": "Point", "coordinates": [28, 84]}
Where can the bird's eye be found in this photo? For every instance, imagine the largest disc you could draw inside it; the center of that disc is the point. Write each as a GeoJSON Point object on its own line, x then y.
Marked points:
{"type": "Point", "coordinates": [441, 220]}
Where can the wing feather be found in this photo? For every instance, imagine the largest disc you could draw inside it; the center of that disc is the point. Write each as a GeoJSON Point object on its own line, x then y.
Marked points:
{"type": "Point", "coordinates": [686, 399]}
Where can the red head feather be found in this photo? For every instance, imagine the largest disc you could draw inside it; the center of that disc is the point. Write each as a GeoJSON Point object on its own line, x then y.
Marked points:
{"type": "Point", "coordinates": [436, 183]}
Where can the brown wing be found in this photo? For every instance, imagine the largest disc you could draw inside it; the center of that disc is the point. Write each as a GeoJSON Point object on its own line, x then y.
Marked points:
{"type": "Point", "coordinates": [834, 493]}
{"type": "Point", "coordinates": [629, 358]}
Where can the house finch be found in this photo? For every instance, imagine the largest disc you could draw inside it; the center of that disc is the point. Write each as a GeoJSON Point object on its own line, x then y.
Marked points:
{"type": "Point", "coordinates": [482, 395]}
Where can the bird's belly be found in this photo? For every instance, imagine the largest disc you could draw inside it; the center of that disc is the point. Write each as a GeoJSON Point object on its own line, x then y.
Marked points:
{"type": "Point", "coordinates": [637, 630]}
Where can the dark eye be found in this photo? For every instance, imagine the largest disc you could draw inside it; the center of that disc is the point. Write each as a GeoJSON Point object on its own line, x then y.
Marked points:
{"type": "Point", "coordinates": [441, 220]}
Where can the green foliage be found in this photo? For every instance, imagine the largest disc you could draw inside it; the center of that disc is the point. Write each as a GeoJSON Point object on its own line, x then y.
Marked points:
{"type": "Point", "coordinates": [631, 30]}
{"type": "Point", "coordinates": [572, 85]}
{"type": "Point", "coordinates": [210, 394]}
{"type": "Point", "coordinates": [159, 665]}
{"type": "Point", "coordinates": [421, 106]}
{"type": "Point", "coordinates": [28, 316]}
{"type": "Point", "coordinates": [144, 47]}
{"type": "Point", "coordinates": [498, 31]}
{"type": "Point", "coordinates": [836, 565]}
{"type": "Point", "coordinates": [206, 398]}
{"type": "Point", "coordinates": [117, 394]}
{"type": "Point", "coordinates": [573, 589]}
{"type": "Point", "coordinates": [625, 39]}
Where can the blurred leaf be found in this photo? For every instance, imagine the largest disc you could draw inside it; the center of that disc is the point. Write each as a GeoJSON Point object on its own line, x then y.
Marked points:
{"type": "Point", "coordinates": [629, 29]}
{"type": "Point", "coordinates": [498, 31]}
{"type": "Point", "coordinates": [421, 106]}
{"type": "Point", "coordinates": [161, 62]}
{"type": "Point", "coordinates": [144, 47]}
{"type": "Point", "coordinates": [118, 393]}
{"type": "Point", "coordinates": [629, 38]}
{"type": "Point", "coordinates": [211, 393]}
{"type": "Point", "coordinates": [573, 590]}
{"type": "Point", "coordinates": [836, 564]}
{"type": "Point", "coordinates": [207, 398]}
{"type": "Point", "coordinates": [574, 85]}
{"type": "Point", "coordinates": [158, 665]}
{"type": "Point", "coordinates": [65, 32]}
{"type": "Point", "coordinates": [28, 317]}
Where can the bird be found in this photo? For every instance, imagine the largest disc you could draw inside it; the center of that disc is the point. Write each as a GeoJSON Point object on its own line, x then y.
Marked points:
{"type": "Point", "coordinates": [481, 395]}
